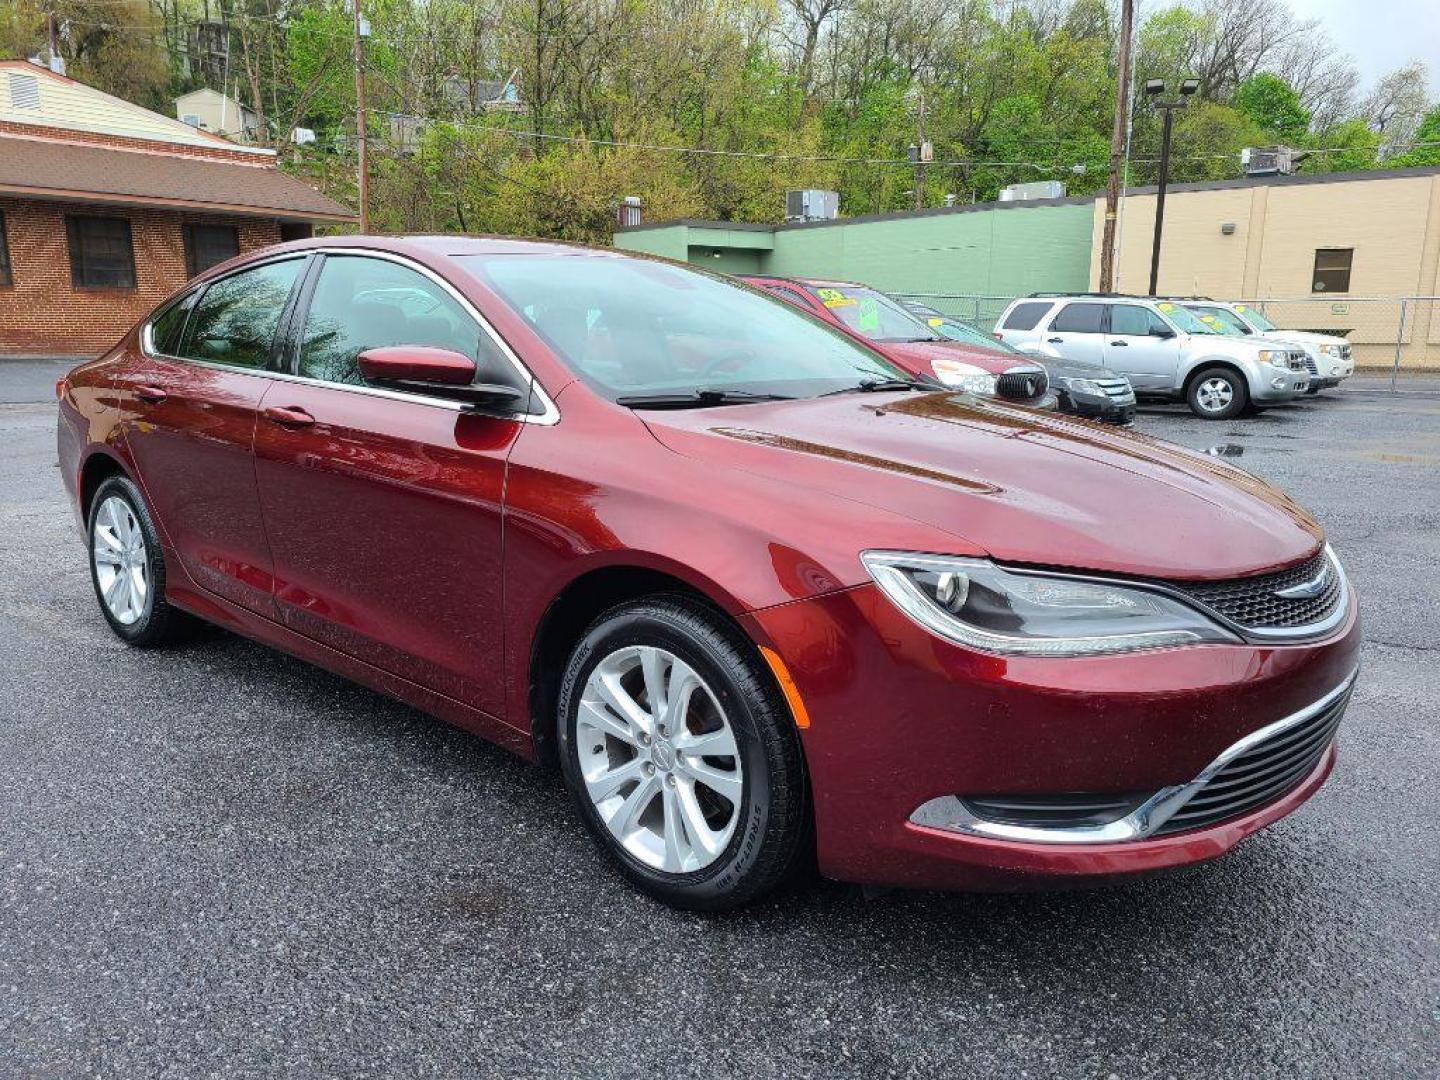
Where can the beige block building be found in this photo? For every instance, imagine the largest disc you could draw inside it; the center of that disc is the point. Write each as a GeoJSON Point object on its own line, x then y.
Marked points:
{"type": "Point", "coordinates": [1334, 253]}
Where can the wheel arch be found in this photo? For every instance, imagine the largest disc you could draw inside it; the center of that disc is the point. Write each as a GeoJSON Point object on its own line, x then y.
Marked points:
{"type": "Point", "coordinates": [99, 465]}
{"type": "Point", "coordinates": [1217, 362]}
{"type": "Point", "coordinates": [571, 611]}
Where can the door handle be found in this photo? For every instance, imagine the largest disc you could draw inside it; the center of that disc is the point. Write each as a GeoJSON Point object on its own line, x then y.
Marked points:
{"type": "Point", "coordinates": [1054, 340]}
{"type": "Point", "coordinates": [291, 416]}
{"type": "Point", "coordinates": [150, 393]}
{"type": "Point", "coordinates": [1126, 344]}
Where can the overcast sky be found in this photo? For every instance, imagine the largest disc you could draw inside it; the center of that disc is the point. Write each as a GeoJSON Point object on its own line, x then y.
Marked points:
{"type": "Point", "coordinates": [1381, 34]}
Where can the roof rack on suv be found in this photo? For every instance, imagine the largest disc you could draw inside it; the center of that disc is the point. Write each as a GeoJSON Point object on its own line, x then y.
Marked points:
{"type": "Point", "coordinates": [1112, 295]}
{"type": "Point", "coordinates": [1206, 299]}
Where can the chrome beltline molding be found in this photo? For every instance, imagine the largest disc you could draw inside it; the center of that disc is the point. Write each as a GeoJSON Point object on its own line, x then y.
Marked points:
{"type": "Point", "coordinates": [950, 814]}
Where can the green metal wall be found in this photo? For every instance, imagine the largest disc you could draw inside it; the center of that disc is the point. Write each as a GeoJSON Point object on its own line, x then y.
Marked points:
{"type": "Point", "coordinates": [993, 251]}
{"type": "Point", "coordinates": [1001, 252]}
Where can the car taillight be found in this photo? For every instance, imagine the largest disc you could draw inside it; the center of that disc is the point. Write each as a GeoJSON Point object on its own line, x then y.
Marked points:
{"type": "Point", "coordinates": [60, 388]}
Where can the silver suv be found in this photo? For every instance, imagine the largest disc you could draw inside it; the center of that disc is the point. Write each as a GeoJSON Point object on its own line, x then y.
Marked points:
{"type": "Point", "coordinates": [1330, 359]}
{"type": "Point", "coordinates": [1165, 351]}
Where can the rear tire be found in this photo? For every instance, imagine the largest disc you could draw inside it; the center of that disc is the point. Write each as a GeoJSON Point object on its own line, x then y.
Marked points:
{"type": "Point", "coordinates": [681, 755]}
{"type": "Point", "coordinates": [127, 568]}
{"type": "Point", "coordinates": [1217, 394]}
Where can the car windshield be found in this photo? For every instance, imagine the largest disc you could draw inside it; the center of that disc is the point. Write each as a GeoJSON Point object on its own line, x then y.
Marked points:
{"type": "Point", "coordinates": [956, 330]}
{"type": "Point", "coordinates": [633, 328]}
{"type": "Point", "coordinates": [1185, 320]}
{"type": "Point", "coordinates": [871, 313]}
{"type": "Point", "coordinates": [1223, 320]}
{"type": "Point", "coordinates": [1255, 319]}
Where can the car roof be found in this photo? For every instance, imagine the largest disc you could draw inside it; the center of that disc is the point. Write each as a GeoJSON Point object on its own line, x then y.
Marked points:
{"type": "Point", "coordinates": [447, 244]}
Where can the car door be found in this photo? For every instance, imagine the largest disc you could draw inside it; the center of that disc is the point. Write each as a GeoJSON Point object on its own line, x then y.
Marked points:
{"type": "Point", "coordinates": [383, 508]}
{"type": "Point", "coordinates": [1076, 332]}
{"type": "Point", "coordinates": [1142, 347]}
{"type": "Point", "coordinates": [191, 404]}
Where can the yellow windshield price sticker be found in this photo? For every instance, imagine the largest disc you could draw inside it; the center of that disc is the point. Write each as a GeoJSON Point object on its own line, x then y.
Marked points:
{"type": "Point", "coordinates": [1240, 307]}
{"type": "Point", "coordinates": [1167, 308]}
{"type": "Point", "coordinates": [834, 298]}
{"type": "Point", "coordinates": [935, 322]}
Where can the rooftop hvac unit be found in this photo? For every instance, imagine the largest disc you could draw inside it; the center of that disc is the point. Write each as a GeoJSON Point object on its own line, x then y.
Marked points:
{"type": "Point", "coordinates": [1040, 189]}
{"type": "Point", "coordinates": [812, 204]}
{"type": "Point", "coordinates": [1270, 160]}
{"type": "Point", "coordinates": [628, 212]}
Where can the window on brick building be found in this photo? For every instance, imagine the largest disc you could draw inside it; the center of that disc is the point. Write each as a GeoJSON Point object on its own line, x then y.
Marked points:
{"type": "Point", "coordinates": [1332, 270]}
{"type": "Point", "coordinates": [101, 254]}
{"type": "Point", "coordinates": [209, 245]}
{"type": "Point", "coordinates": [6, 278]}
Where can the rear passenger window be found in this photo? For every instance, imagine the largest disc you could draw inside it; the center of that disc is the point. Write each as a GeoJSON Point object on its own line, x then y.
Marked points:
{"type": "Point", "coordinates": [363, 303]}
{"type": "Point", "coordinates": [1025, 316]}
{"type": "Point", "coordinates": [235, 321]}
{"type": "Point", "coordinates": [1080, 319]}
{"type": "Point", "coordinates": [1136, 320]}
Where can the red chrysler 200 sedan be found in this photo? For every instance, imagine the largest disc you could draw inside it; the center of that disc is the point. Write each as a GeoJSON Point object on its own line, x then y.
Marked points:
{"type": "Point", "coordinates": [754, 589]}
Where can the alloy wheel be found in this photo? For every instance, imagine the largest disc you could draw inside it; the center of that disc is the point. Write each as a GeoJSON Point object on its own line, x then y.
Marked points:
{"type": "Point", "coordinates": [659, 759]}
{"type": "Point", "coordinates": [122, 563]}
{"type": "Point", "coordinates": [1215, 395]}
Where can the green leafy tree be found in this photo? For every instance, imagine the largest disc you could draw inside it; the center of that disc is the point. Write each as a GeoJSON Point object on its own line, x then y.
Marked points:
{"type": "Point", "coordinates": [1426, 148]}
{"type": "Point", "coordinates": [1273, 105]}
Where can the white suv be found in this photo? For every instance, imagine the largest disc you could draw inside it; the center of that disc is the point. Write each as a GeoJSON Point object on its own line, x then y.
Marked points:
{"type": "Point", "coordinates": [1328, 357]}
{"type": "Point", "coordinates": [1163, 349]}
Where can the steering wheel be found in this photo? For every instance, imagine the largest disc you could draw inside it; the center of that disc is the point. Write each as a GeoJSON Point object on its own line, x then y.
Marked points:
{"type": "Point", "coordinates": [720, 361]}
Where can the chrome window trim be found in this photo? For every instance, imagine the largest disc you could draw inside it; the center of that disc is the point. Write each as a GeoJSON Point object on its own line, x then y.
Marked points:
{"type": "Point", "coordinates": [949, 813]}
{"type": "Point", "coordinates": [549, 414]}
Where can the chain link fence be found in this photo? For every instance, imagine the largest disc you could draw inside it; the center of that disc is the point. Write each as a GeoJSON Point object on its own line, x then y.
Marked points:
{"type": "Point", "coordinates": [1398, 336]}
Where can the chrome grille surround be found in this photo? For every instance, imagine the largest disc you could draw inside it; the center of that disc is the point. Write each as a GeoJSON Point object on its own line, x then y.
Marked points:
{"type": "Point", "coordinates": [1317, 600]}
{"type": "Point", "coordinates": [1263, 766]}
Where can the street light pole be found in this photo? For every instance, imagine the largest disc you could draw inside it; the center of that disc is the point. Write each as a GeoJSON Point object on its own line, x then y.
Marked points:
{"type": "Point", "coordinates": [361, 130]}
{"type": "Point", "coordinates": [1154, 88]}
{"type": "Point", "coordinates": [1117, 147]}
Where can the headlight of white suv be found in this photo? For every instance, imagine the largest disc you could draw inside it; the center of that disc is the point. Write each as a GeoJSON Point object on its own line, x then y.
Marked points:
{"type": "Point", "coordinates": [963, 376]}
{"type": "Point", "coordinates": [1275, 357]}
{"type": "Point", "coordinates": [975, 603]}
{"type": "Point", "coordinates": [1332, 351]}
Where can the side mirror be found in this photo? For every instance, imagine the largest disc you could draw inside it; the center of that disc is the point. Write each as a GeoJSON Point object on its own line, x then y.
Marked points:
{"type": "Point", "coordinates": [1162, 332]}
{"type": "Point", "coordinates": [440, 372]}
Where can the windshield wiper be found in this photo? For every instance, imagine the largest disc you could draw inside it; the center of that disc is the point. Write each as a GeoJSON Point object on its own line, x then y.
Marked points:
{"type": "Point", "coordinates": [693, 399]}
{"type": "Point", "coordinates": [870, 386]}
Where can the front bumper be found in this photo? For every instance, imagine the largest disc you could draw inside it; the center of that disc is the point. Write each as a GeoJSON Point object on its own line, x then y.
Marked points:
{"type": "Point", "coordinates": [900, 719]}
{"type": "Point", "coordinates": [1276, 386]}
{"type": "Point", "coordinates": [1105, 409]}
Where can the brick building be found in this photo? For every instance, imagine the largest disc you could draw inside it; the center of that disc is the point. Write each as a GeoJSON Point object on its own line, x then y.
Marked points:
{"type": "Point", "coordinates": [106, 208]}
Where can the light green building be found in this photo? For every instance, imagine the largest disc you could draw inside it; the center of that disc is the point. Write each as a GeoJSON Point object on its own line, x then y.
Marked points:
{"type": "Point", "coordinates": [991, 249]}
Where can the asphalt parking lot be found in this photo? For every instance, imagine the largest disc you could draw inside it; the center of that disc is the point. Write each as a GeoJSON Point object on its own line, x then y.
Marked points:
{"type": "Point", "coordinates": [220, 861]}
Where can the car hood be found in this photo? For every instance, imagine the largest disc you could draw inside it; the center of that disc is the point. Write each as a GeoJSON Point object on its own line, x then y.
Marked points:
{"type": "Point", "coordinates": [1016, 484]}
{"type": "Point", "coordinates": [1304, 337]}
{"type": "Point", "coordinates": [1063, 369]}
{"type": "Point", "coordinates": [918, 356]}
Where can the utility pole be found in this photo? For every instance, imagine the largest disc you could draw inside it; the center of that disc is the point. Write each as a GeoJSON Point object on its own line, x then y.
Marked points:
{"type": "Point", "coordinates": [1153, 89]}
{"type": "Point", "coordinates": [1117, 147]}
{"type": "Point", "coordinates": [360, 127]}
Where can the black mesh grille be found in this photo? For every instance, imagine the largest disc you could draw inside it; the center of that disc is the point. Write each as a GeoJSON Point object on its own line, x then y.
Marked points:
{"type": "Point", "coordinates": [1262, 774]}
{"type": "Point", "coordinates": [1310, 364]}
{"type": "Point", "coordinates": [1252, 602]}
{"type": "Point", "coordinates": [1022, 385]}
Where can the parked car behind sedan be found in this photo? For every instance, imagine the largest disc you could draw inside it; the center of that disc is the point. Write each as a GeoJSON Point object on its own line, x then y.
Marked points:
{"type": "Point", "coordinates": [1329, 358]}
{"type": "Point", "coordinates": [882, 323]}
{"type": "Point", "coordinates": [1166, 352]}
{"type": "Point", "coordinates": [1096, 393]}
{"type": "Point", "coordinates": [749, 586]}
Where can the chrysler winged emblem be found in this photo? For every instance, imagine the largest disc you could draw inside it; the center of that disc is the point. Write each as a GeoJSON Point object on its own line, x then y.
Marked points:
{"type": "Point", "coordinates": [1306, 590]}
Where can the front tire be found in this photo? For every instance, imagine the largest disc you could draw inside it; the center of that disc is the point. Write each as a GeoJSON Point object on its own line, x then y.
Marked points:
{"type": "Point", "coordinates": [1217, 394]}
{"type": "Point", "coordinates": [681, 755]}
{"type": "Point", "coordinates": [127, 568]}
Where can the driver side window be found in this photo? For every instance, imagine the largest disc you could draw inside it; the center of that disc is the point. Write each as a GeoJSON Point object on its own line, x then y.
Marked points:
{"type": "Point", "coordinates": [1135, 320]}
{"type": "Point", "coordinates": [363, 303]}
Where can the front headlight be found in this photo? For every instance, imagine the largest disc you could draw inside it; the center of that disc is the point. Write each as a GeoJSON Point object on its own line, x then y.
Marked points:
{"type": "Point", "coordinates": [1332, 351]}
{"type": "Point", "coordinates": [963, 376]}
{"type": "Point", "coordinates": [1275, 357]}
{"type": "Point", "coordinates": [975, 603]}
{"type": "Point", "coordinates": [1084, 386]}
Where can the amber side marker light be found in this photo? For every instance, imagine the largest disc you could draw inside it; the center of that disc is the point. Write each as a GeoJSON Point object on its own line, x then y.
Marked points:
{"type": "Point", "coordinates": [787, 686]}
